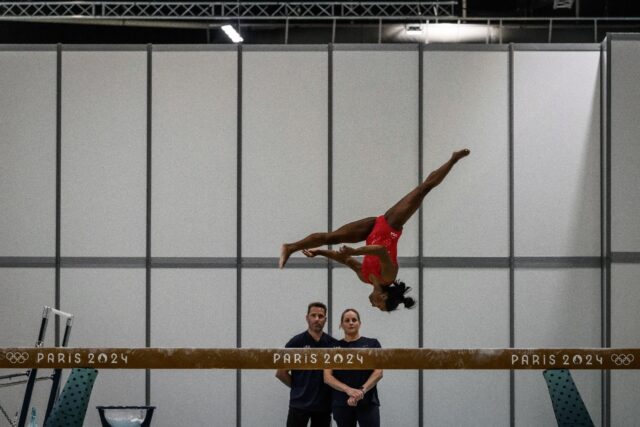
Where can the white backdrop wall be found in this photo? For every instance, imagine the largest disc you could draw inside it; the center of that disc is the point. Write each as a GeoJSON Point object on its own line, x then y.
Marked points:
{"type": "Point", "coordinates": [624, 245]}
{"type": "Point", "coordinates": [196, 156]}
{"type": "Point", "coordinates": [104, 152]}
{"type": "Point", "coordinates": [28, 153]}
{"type": "Point", "coordinates": [27, 198]}
{"type": "Point", "coordinates": [556, 214]}
{"type": "Point", "coordinates": [557, 145]}
{"type": "Point", "coordinates": [284, 146]}
{"type": "Point", "coordinates": [194, 142]}
{"type": "Point", "coordinates": [466, 103]}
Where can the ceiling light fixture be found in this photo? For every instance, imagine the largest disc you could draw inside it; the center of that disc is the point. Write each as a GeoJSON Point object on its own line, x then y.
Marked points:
{"type": "Point", "coordinates": [232, 33]}
{"type": "Point", "coordinates": [562, 4]}
{"type": "Point", "coordinates": [414, 29]}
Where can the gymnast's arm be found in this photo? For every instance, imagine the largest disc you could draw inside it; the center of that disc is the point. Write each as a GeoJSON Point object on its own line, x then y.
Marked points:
{"type": "Point", "coordinates": [350, 262]}
{"type": "Point", "coordinates": [375, 250]}
{"type": "Point", "coordinates": [284, 376]}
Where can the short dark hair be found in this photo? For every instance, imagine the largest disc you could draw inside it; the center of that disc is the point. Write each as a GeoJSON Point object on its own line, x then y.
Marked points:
{"type": "Point", "coordinates": [395, 295]}
{"type": "Point", "coordinates": [317, 304]}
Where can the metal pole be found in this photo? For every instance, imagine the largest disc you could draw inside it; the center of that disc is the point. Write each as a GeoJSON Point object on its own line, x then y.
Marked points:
{"type": "Point", "coordinates": [286, 31]}
{"type": "Point", "coordinates": [333, 32]}
{"type": "Point", "coordinates": [57, 373]}
{"type": "Point", "coordinates": [26, 402]}
{"type": "Point", "coordinates": [488, 38]}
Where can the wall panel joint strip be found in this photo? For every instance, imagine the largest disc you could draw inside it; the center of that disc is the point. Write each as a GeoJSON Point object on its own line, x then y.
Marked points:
{"type": "Point", "coordinates": [603, 250]}
{"type": "Point", "coordinates": [607, 233]}
{"type": "Point", "coordinates": [512, 420]}
{"type": "Point", "coordinates": [330, 265]}
{"type": "Point", "coordinates": [239, 234]}
{"type": "Point", "coordinates": [148, 222]}
{"type": "Point", "coordinates": [58, 186]}
{"type": "Point", "coordinates": [420, 229]}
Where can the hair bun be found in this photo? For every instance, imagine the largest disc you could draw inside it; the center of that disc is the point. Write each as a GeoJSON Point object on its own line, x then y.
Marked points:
{"type": "Point", "coordinates": [408, 302]}
{"type": "Point", "coordinates": [396, 295]}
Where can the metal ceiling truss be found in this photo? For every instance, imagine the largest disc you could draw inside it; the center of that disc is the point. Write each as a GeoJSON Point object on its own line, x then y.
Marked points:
{"type": "Point", "coordinates": [227, 10]}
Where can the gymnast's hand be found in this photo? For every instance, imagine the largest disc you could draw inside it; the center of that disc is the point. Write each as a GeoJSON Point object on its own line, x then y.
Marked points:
{"type": "Point", "coordinates": [346, 250]}
{"type": "Point", "coordinates": [310, 253]}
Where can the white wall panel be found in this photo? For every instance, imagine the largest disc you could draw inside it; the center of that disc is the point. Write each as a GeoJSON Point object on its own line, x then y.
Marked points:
{"type": "Point", "coordinates": [625, 318]}
{"type": "Point", "coordinates": [625, 203]}
{"type": "Point", "coordinates": [274, 306]}
{"type": "Point", "coordinates": [284, 148]}
{"type": "Point", "coordinates": [193, 308]}
{"type": "Point", "coordinates": [188, 397]}
{"type": "Point", "coordinates": [375, 136]}
{"type": "Point", "coordinates": [624, 397]}
{"type": "Point", "coordinates": [108, 304]}
{"type": "Point", "coordinates": [28, 153]}
{"type": "Point", "coordinates": [466, 398]}
{"type": "Point", "coordinates": [23, 295]}
{"type": "Point", "coordinates": [557, 153]}
{"type": "Point", "coordinates": [466, 104]}
{"type": "Point", "coordinates": [556, 308]}
{"type": "Point", "coordinates": [104, 156]}
{"type": "Point", "coordinates": [625, 299]}
{"type": "Point", "coordinates": [398, 390]}
{"type": "Point", "coordinates": [194, 154]}
{"type": "Point", "coordinates": [550, 307]}
{"type": "Point", "coordinates": [466, 308]}
{"type": "Point", "coordinates": [25, 292]}
{"type": "Point", "coordinates": [625, 150]}
{"type": "Point", "coordinates": [188, 306]}
{"type": "Point", "coordinates": [109, 309]}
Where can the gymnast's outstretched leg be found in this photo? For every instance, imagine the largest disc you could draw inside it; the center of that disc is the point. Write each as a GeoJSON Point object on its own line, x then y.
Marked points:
{"type": "Point", "coordinates": [352, 232]}
{"type": "Point", "coordinates": [400, 213]}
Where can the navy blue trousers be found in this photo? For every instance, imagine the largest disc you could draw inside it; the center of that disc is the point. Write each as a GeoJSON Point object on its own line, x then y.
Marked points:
{"type": "Point", "coordinates": [300, 418]}
{"type": "Point", "coordinates": [364, 415]}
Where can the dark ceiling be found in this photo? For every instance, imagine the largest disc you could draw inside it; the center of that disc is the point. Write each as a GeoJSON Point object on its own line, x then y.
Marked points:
{"type": "Point", "coordinates": [544, 8]}
{"type": "Point", "coordinates": [527, 27]}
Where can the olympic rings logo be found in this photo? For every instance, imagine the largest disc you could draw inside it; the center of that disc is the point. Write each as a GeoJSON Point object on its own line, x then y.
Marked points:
{"type": "Point", "coordinates": [622, 359]}
{"type": "Point", "coordinates": [17, 357]}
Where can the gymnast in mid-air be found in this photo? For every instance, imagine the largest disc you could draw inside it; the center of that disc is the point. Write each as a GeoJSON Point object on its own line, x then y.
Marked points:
{"type": "Point", "coordinates": [379, 267]}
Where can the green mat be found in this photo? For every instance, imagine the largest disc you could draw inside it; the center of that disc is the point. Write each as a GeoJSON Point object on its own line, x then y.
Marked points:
{"type": "Point", "coordinates": [71, 406]}
{"type": "Point", "coordinates": [565, 398]}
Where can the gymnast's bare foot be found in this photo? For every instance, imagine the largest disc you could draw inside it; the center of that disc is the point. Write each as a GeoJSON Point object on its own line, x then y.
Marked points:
{"type": "Point", "coordinates": [457, 155]}
{"type": "Point", "coordinates": [285, 253]}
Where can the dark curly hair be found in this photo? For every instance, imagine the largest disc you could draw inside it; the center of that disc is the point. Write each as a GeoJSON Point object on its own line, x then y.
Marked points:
{"type": "Point", "coordinates": [395, 295]}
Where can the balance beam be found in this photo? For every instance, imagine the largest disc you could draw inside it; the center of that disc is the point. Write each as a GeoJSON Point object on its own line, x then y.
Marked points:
{"type": "Point", "coordinates": [316, 358]}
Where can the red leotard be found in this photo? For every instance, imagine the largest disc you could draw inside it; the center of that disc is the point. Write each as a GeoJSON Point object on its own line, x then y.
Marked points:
{"type": "Point", "coordinates": [382, 234]}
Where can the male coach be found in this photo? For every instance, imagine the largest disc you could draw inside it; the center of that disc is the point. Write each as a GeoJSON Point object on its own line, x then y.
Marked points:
{"type": "Point", "coordinates": [310, 397]}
